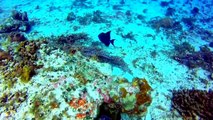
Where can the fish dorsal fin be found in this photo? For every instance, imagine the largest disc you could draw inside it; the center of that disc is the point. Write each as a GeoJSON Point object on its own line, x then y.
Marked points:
{"type": "Point", "coordinates": [108, 35]}
{"type": "Point", "coordinates": [101, 36]}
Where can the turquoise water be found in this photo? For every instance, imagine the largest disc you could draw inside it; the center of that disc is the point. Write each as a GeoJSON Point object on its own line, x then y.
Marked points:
{"type": "Point", "coordinates": [107, 60]}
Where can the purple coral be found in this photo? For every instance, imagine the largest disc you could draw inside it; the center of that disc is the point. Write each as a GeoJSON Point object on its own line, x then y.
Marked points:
{"type": "Point", "coordinates": [193, 103]}
{"type": "Point", "coordinates": [201, 59]}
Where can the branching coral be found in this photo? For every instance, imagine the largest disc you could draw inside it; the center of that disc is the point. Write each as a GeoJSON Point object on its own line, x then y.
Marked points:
{"type": "Point", "coordinates": [193, 103]}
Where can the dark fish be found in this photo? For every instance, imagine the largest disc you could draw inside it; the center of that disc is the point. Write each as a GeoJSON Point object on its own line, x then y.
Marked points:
{"type": "Point", "coordinates": [211, 44]}
{"type": "Point", "coordinates": [105, 38]}
{"type": "Point", "coordinates": [105, 117]}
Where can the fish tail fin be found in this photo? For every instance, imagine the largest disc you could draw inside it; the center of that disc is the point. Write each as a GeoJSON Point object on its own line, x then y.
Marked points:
{"type": "Point", "coordinates": [112, 42]}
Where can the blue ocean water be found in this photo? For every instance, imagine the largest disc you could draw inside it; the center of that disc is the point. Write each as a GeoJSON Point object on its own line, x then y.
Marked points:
{"type": "Point", "coordinates": [106, 59]}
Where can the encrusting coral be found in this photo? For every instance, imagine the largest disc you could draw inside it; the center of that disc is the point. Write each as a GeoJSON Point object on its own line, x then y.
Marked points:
{"type": "Point", "coordinates": [134, 97]}
{"type": "Point", "coordinates": [142, 98]}
{"type": "Point", "coordinates": [131, 99]}
{"type": "Point", "coordinates": [16, 37]}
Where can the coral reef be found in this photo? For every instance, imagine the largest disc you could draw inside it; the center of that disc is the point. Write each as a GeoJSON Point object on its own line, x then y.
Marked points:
{"type": "Point", "coordinates": [81, 105]}
{"type": "Point", "coordinates": [4, 55]}
{"type": "Point", "coordinates": [164, 3]}
{"type": "Point", "coordinates": [80, 77]}
{"type": "Point", "coordinates": [27, 73]}
{"type": "Point", "coordinates": [26, 50]}
{"type": "Point", "coordinates": [11, 26]}
{"type": "Point", "coordinates": [202, 58]}
{"type": "Point", "coordinates": [205, 34]}
{"type": "Point", "coordinates": [9, 102]}
{"type": "Point", "coordinates": [19, 16]}
{"type": "Point", "coordinates": [82, 3]}
{"type": "Point", "coordinates": [71, 16]}
{"type": "Point", "coordinates": [22, 65]}
{"type": "Point", "coordinates": [129, 98]}
{"type": "Point", "coordinates": [128, 103]}
{"type": "Point", "coordinates": [183, 48]}
{"type": "Point", "coordinates": [19, 22]}
{"type": "Point", "coordinates": [170, 11]}
{"type": "Point", "coordinates": [163, 23]}
{"type": "Point", "coordinates": [71, 39]}
{"type": "Point", "coordinates": [134, 98]}
{"type": "Point", "coordinates": [16, 37]}
{"type": "Point", "coordinates": [129, 35]}
{"type": "Point", "coordinates": [192, 104]}
{"type": "Point", "coordinates": [85, 20]}
{"type": "Point", "coordinates": [37, 109]}
{"type": "Point", "coordinates": [98, 17]}
{"type": "Point", "coordinates": [40, 107]}
{"type": "Point", "coordinates": [168, 24]}
{"type": "Point", "coordinates": [70, 79]}
{"type": "Point", "coordinates": [195, 11]}
{"type": "Point", "coordinates": [142, 98]}
{"type": "Point", "coordinates": [189, 22]}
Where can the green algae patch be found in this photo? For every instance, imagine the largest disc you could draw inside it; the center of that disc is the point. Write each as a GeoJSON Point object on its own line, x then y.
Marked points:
{"type": "Point", "coordinates": [27, 73]}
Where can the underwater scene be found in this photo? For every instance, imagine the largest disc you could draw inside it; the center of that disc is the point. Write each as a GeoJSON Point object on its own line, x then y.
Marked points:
{"type": "Point", "coordinates": [106, 59]}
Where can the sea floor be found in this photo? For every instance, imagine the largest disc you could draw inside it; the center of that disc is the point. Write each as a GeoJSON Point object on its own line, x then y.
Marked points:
{"type": "Point", "coordinates": [146, 37]}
